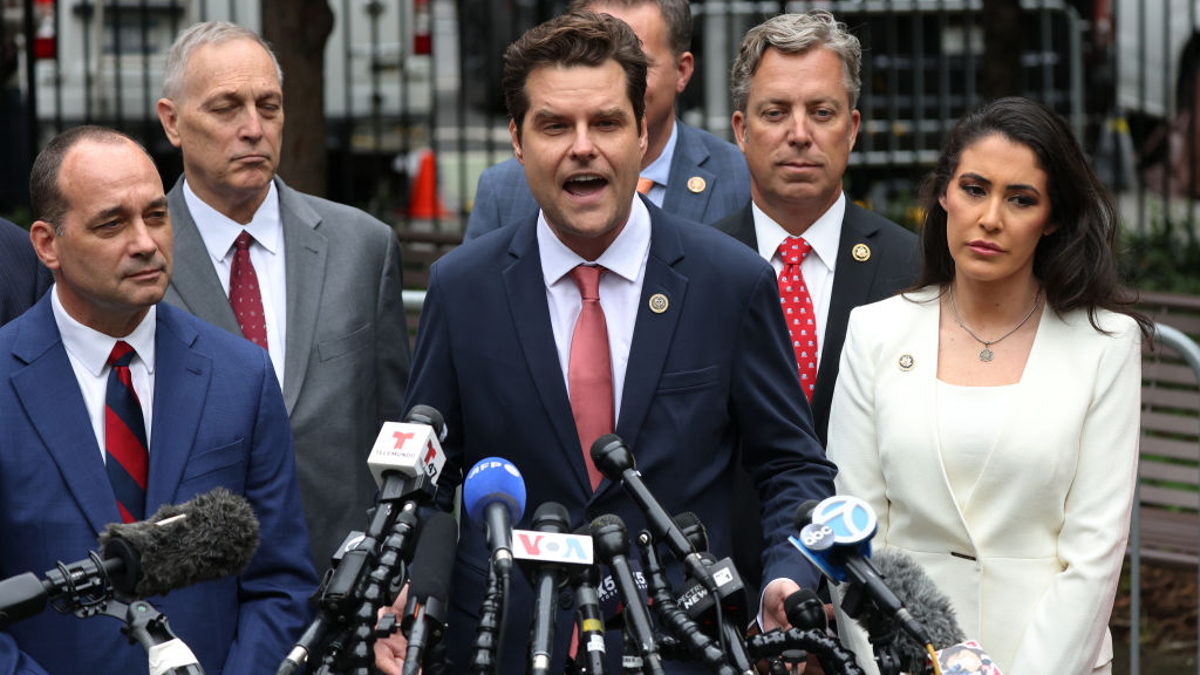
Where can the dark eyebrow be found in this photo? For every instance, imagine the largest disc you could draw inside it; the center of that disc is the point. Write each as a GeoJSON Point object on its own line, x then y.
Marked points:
{"type": "Point", "coordinates": [159, 203]}
{"type": "Point", "coordinates": [1010, 186]}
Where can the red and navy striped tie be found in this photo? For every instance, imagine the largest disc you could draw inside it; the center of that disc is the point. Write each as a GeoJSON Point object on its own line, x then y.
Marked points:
{"type": "Point", "coordinates": [125, 437]}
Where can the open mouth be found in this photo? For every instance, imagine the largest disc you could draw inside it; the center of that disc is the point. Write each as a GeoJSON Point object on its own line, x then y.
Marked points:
{"type": "Point", "coordinates": [585, 185]}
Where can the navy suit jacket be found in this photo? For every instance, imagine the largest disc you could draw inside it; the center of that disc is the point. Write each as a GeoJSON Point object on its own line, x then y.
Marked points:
{"type": "Point", "coordinates": [23, 279]}
{"type": "Point", "coordinates": [709, 383]}
{"type": "Point", "coordinates": [503, 197]}
{"type": "Point", "coordinates": [219, 420]}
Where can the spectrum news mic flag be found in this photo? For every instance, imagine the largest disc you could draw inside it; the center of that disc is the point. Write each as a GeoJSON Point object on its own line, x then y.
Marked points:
{"type": "Point", "coordinates": [210, 537]}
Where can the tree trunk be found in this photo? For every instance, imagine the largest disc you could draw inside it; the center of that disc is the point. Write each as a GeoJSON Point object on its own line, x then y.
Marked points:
{"type": "Point", "coordinates": [297, 30]}
{"type": "Point", "coordinates": [1002, 39]}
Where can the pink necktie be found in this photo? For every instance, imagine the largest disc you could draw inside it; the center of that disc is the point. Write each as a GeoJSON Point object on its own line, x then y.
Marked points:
{"type": "Point", "coordinates": [798, 311]}
{"type": "Point", "coordinates": [244, 293]}
{"type": "Point", "coordinates": [644, 185]}
{"type": "Point", "coordinates": [589, 373]}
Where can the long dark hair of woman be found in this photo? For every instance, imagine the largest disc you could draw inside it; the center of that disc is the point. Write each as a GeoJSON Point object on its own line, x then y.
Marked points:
{"type": "Point", "coordinates": [1076, 262]}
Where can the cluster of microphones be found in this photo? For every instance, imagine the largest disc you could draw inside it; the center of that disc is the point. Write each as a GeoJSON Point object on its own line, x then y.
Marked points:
{"type": "Point", "coordinates": [407, 542]}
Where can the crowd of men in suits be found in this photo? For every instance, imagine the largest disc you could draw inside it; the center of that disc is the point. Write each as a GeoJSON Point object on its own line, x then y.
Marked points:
{"type": "Point", "coordinates": [260, 331]}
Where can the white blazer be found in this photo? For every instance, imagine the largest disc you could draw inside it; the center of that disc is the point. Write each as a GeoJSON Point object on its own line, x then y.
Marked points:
{"type": "Point", "coordinates": [1031, 561]}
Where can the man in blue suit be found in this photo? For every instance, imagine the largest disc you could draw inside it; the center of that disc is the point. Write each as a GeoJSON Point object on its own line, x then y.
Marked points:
{"type": "Point", "coordinates": [211, 415]}
{"type": "Point", "coordinates": [685, 171]}
{"type": "Point", "coordinates": [22, 278]}
{"type": "Point", "coordinates": [695, 372]}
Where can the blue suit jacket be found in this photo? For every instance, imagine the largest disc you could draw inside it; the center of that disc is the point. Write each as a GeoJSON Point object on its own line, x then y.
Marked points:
{"type": "Point", "coordinates": [219, 420]}
{"type": "Point", "coordinates": [709, 383]}
{"type": "Point", "coordinates": [22, 278]}
{"type": "Point", "coordinates": [503, 198]}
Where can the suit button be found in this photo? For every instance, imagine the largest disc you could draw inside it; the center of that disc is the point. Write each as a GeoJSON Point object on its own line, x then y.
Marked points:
{"type": "Point", "coordinates": [565, 600]}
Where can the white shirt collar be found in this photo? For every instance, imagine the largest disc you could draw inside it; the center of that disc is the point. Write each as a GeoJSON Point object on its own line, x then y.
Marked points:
{"type": "Point", "coordinates": [219, 231]}
{"type": "Point", "coordinates": [623, 257]}
{"type": "Point", "coordinates": [91, 348]}
{"type": "Point", "coordinates": [823, 235]}
{"type": "Point", "coordinates": [659, 170]}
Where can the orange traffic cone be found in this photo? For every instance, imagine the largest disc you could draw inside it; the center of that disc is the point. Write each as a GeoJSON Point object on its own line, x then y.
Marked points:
{"type": "Point", "coordinates": [423, 201]}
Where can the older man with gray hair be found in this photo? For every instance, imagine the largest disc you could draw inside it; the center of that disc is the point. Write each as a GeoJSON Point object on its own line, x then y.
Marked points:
{"type": "Point", "coordinates": [315, 283]}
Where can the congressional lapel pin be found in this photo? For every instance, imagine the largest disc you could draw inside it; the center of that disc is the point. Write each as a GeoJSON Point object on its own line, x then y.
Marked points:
{"type": "Point", "coordinates": [906, 362]}
{"type": "Point", "coordinates": [861, 252]}
{"type": "Point", "coordinates": [658, 303]}
{"type": "Point", "coordinates": [696, 184]}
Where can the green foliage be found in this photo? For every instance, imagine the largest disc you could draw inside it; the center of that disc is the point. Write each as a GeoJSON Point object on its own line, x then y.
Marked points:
{"type": "Point", "coordinates": [1165, 258]}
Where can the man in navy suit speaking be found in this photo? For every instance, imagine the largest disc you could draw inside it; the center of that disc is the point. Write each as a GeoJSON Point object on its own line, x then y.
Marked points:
{"type": "Point", "coordinates": [685, 171]}
{"type": "Point", "coordinates": [113, 404]}
{"type": "Point", "coordinates": [604, 313]}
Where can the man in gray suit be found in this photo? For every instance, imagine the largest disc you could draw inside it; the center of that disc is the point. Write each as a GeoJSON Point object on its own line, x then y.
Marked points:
{"type": "Point", "coordinates": [317, 284]}
{"type": "Point", "coordinates": [687, 172]}
{"type": "Point", "coordinates": [23, 279]}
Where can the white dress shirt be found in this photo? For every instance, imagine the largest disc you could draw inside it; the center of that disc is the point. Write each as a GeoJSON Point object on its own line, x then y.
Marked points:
{"type": "Point", "coordinates": [659, 170]}
{"type": "Point", "coordinates": [88, 351]}
{"type": "Point", "coordinates": [266, 254]}
{"type": "Point", "coordinates": [620, 290]}
{"type": "Point", "coordinates": [818, 265]}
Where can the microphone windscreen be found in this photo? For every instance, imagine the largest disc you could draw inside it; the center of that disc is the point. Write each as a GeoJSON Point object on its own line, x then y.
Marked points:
{"type": "Point", "coordinates": [433, 560]}
{"type": "Point", "coordinates": [804, 513]}
{"type": "Point", "coordinates": [804, 610]}
{"type": "Point", "coordinates": [216, 538]}
{"type": "Point", "coordinates": [492, 480]}
{"type": "Point", "coordinates": [927, 604]}
{"type": "Point", "coordinates": [424, 414]}
{"type": "Point", "coordinates": [691, 527]}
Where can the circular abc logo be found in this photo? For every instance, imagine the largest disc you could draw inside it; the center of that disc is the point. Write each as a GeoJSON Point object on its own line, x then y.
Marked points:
{"type": "Point", "coordinates": [850, 518]}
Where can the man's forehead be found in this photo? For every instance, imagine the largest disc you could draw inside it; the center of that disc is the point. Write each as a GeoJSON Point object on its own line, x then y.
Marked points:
{"type": "Point", "coordinates": [208, 61]}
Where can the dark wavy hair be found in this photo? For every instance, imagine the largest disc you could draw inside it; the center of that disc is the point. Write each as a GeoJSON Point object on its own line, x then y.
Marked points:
{"type": "Point", "coordinates": [1076, 263]}
{"type": "Point", "coordinates": [574, 39]}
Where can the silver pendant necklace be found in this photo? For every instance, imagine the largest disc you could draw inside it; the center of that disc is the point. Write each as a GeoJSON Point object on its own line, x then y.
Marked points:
{"type": "Point", "coordinates": [986, 353]}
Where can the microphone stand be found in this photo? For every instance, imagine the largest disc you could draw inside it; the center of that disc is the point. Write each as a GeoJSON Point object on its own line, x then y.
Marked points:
{"type": "Point", "coordinates": [880, 631]}
{"type": "Point", "coordinates": [834, 658]}
{"type": "Point", "coordinates": [487, 634]}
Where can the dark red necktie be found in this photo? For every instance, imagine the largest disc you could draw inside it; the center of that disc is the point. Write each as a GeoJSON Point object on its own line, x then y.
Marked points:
{"type": "Point", "coordinates": [244, 293]}
{"type": "Point", "coordinates": [125, 437]}
{"type": "Point", "coordinates": [589, 372]}
{"type": "Point", "coordinates": [798, 311]}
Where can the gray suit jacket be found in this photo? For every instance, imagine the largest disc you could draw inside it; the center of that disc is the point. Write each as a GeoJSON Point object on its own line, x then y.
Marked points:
{"type": "Point", "coordinates": [346, 363]}
{"type": "Point", "coordinates": [503, 198]}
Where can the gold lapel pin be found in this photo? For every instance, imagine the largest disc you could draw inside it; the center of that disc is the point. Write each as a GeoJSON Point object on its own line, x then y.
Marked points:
{"type": "Point", "coordinates": [696, 184]}
{"type": "Point", "coordinates": [906, 362]}
{"type": "Point", "coordinates": [658, 303]}
{"type": "Point", "coordinates": [861, 252]}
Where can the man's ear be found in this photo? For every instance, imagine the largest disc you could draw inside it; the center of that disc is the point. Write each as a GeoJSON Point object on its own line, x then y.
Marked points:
{"type": "Point", "coordinates": [168, 115]}
{"type": "Point", "coordinates": [739, 129]}
{"type": "Point", "coordinates": [42, 236]}
{"type": "Point", "coordinates": [516, 140]}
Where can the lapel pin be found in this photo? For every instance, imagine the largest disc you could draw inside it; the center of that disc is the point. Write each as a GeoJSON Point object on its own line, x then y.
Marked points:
{"type": "Point", "coordinates": [861, 252]}
{"type": "Point", "coordinates": [906, 362]}
{"type": "Point", "coordinates": [658, 303]}
{"type": "Point", "coordinates": [696, 184]}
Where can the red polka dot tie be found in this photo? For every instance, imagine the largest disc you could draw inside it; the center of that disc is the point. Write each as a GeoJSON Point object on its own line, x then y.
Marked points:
{"type": "Point", "coordinates": [798, 310]}
{"type": "Point", "coordinates": [244, 293]}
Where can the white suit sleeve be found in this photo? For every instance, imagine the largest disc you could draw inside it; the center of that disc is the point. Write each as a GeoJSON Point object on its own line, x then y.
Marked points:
{"type": "Point", "coordinates": [1071, 619]}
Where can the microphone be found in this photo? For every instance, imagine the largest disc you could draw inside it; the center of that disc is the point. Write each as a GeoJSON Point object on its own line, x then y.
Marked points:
{"type": "Point", "coordinates": [928, 605]}
{"type": "Point", "coordinates": [549, 519]}
{"type": "Point", "coordinates": [614, 459]}
{"type": "Point", "coordinates": [612, 544]}
{"type": "Point", "coordinates": [838, 542]}
{"type": "Point", "coordinates": [407, 456]}
{"type": "Point", "coordinates": [210, 537]}
{"type": "Point", "coordinates": [590, 660]}
{"type": "Point", "coordinates": [804, 610]}
{"type": "Point", "coordinates": [494, 497]}
{"type": "Point", "coordinates": [429, 587]}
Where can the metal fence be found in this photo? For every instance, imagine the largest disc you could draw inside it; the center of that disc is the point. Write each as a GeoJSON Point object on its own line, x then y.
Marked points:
{"type": "Point", "coordinates": [405, 76]}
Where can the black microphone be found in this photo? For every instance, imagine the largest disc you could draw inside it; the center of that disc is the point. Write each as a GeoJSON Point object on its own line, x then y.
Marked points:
{"type": "Point", "coordinates": [925, 601]}
{"type": "Point", "coordinates": [590, 659]}
{"type": "Point", "coordinates": [612, 544]}
{"type": "Point", "coordinates": [804, 610]}
{"type": "Point", "coordinates": [210, 537]}
{"type": "Point", "coordinates": [429, 588]}
{"type": "Point", "coordinates": [613, 458]}
{"type": "Point", "coordinates": [545, 578]}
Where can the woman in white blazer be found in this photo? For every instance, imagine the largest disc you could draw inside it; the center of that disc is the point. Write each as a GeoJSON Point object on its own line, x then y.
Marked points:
{"type": "Point", "coordinates": [991, 417]}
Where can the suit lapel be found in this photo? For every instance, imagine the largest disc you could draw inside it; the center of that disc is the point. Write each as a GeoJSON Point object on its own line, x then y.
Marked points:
{"type": "Point", "coordinates": [181, 378]}
{"type": "Point", "coordinates": [304, 253]}
{"type": "Point", "coordinates": [50, 396]}
{"type": "Point", "coordinates": [652, 332]}
{"type": "Point", "coordinates": [526, 289]}
{"type": "Point", "coordinates": [193, 278]}
{"type": "Point", "coordinates": [687, 164]}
